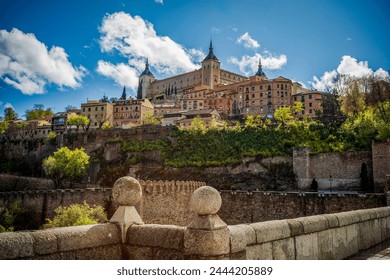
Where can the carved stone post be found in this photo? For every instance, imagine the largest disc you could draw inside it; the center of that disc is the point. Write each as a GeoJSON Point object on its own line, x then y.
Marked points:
{"type": "Point", "coordinates": [126, 192]}
{"type": "Point", "coordinates": [207, 236]}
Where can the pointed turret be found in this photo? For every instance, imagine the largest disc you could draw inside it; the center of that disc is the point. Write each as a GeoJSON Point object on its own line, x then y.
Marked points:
{"type": "Point", "coordinates": [123, 97]}
{"type": "Point", "coordinates": [211, 53]}
{"type": "Point", "coordinates": [260, 70]}
{"type": "Point", "coordinates": [147, 71]}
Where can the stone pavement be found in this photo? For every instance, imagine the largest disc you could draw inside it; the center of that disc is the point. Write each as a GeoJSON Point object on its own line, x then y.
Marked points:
{"type": "Point", "coordinates": [383, 255]}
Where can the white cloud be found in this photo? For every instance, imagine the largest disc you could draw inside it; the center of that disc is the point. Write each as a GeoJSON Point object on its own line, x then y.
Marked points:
{"type": "Point", "coordinates": [348, 66]}
{"type": "Point", "coordinates": [135, 39]}
{"type": "Point", "coordinates": [28, 65]}
{"type": "Point", "coordinates": [249, 64]}
{"type": "Point", "coordinates": [121, 73]}
{"type": "Point", "coordinates": [325, 82]}
{"type": "Point", "coordinates": [159, 2]}
{"type": "Point", "coordinates": [248, 41]}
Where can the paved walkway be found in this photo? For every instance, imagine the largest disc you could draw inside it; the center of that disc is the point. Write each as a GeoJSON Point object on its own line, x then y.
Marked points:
{"type": "Point", "coordinates": [383, 255]}
{"type": "Point", "coordinates": [378, 252]}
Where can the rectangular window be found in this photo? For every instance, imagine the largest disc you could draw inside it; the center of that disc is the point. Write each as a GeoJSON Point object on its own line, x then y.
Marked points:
{"type": "Point", "coordinates": [310, 96]}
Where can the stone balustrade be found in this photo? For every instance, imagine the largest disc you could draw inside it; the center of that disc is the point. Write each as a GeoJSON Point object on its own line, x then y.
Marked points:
{"type": "Point", "coordinates": [330, 236]}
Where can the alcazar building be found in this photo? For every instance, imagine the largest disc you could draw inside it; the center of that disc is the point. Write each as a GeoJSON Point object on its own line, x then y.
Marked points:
{"type": "Point", "coordinates": [211, 87]}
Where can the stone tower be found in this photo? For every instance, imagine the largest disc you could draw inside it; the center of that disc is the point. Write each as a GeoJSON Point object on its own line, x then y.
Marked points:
{"type": "Point", "coordinates": [145, 80]}
{"type": "Point", "coordinates": [260, 72]}
{"type": "Point", "coordinates": [211, 71]}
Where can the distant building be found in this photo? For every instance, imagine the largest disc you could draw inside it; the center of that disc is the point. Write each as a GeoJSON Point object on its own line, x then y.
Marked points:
{"type": "Point", "coordinates": [131, 112]}
{"type": "Point", "coordinates": [311, 101]}
{"type": "Point", "coordinates": [97, 112]}
{"type": "Point", "coordinates": [205, 115]}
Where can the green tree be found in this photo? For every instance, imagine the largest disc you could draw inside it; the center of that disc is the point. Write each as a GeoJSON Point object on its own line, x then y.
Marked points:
{"type": "Point", "coordinates": [283, 115]}
{"type": "Point", "coordinates": [77, 215]}
{"type": "Point", "coordinates": [197, 125]}
{"type": "Point", "coordinates": [78, 120]}
{"type": "Point", "coordinates": [38, 111]}
{"type": "Point", "coordinates": [353, 101]}
{"type": "Point", "coordinates": [10, 114]}
{"type": "Point", "coordinates": [3, 126]}
{"type": "Point", "coordinates": [106, 125]}
{"type": "Point", "coordinates": [150, 118]}
{"type": "Point", "coordinates": [66, 163]}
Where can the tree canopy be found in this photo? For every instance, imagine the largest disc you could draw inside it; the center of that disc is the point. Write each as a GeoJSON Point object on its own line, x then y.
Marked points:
{"type": "Point", "coordinates": [66, 163]}
{"type": "Point", "coordinates": [38, 111]}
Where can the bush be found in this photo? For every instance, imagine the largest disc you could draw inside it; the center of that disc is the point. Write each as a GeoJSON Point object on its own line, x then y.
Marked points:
{"type": "Point", "coordinates": [9, 217]}
{"type": "Point", "coordinates": [77, 215]}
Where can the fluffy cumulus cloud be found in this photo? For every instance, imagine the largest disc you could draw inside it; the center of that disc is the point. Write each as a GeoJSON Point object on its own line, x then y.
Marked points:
{"type": "Point", "coordinates": [121, 73]}
{"type": "Point", "coordinates": [28, 65]}
{"type": "Point", "coordinates": [135, 39]}
{"type": "Point", "coordinates": [348, 66]}
{"type": "Point", "coordinates": [249, 64]}
{"type": "Point", "coordinates": [247, 41]}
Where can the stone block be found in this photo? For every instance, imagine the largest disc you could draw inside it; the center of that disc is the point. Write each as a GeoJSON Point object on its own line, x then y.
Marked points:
{"type": "Point", "coordinates": [259, 252]}
{"type": "Point", "coordinates": [313, 223]}
{"type": "Point", "coordinates": [250, 234]}
{"type": "Point", "coordinates": [347, 218]}
{"type": "Point", "coordinates": [111, 252]}
{"type": "Point", "coordinates": [296, 227]}
{"type": "Point", "coordinates": [283, 249]}
{"type": "Point", "coordinates": [381, 212]}
{"type": "Point", "coordinates": [207, 222]}
{"type": "Point", "coordinates": [271, 230]}
{"type": "Point", "coordinates": [164, 254]}
{"type": "Point", "coordinates": [237, 239]}
{"type": "Point", "coordinates": [325, 245]}
{"type": "Point", "coordinates": [164, 236]}
{"type": "Point", "coordinates": [332, 220]}
{"type": "Point", "coordinates": [206, 243]}
{"type": "Point", "coordinates": [81, 237]}
{"type": "Point", "coordinates": [137, 253]}
{"type": "Point", "coordinates": [16, 245]}
{"type": "Point", "coordinates": [45, 242]}
{"type": "Point", "coordinates": [306, 247]}
{"type": "Point", "coordinates": [352, 246]}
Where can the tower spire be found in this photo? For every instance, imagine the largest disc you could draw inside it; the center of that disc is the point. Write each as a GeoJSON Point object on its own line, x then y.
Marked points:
{"type": "Point", "coordinates": [211, 55]}
{"type": "Point", "coordinates": [260, 70]}
{"type": "Point", "coordinates": [147, 71]}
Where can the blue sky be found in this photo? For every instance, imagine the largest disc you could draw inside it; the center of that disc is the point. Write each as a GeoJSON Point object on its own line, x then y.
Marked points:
{"type": "Point", "coordinates": [60, 53]}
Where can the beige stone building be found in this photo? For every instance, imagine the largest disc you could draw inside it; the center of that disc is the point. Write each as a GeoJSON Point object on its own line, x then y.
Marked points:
{"type": "Point", "coordinates": [132, 112]}
{"type": "Point", "coordinates": [311, 101]}
{"type": "Point", "coordinates": [210, 75]}
{"type": "Point", "coordinates": [98, 112]}
{"type": "Point", "coordinates": [205, 115]}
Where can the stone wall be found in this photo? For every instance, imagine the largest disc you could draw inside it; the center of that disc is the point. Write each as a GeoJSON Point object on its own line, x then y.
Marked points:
{"type": "Point", "coordinates": [249, 207]}
{"type": "Point", "coordinates": [332, 171]}
{"type": "Point", "coordinates": [323, 237]}
{"type": "Point", "coordinates": [330, 236]}
{"type": "Point", "coordinates": [92, 242]}
{"type": "Point", "coordinates": [163, 202]}
{"type": "Point", "coordinates": [381, 165]}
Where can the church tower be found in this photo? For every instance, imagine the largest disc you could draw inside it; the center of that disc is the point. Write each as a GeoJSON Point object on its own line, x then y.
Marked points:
{"type": "Point", "coordinates": [145, 80]}
{"type": "Point", "coordinates": [211, 71]}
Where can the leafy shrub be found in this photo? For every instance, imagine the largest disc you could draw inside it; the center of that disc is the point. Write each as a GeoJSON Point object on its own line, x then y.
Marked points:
{"type": "Point", "coordinates": [76, 215]}
{"type": "Point", "coordinates": [9, 217]}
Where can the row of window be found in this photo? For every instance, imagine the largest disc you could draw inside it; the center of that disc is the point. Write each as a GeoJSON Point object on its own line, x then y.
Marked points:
{"type": "Point", "coordinates": [126, 109]}
{"type": "Point", "coordinates": [117, 116]}
{"type": "Point", "coordinates": [96, 109]}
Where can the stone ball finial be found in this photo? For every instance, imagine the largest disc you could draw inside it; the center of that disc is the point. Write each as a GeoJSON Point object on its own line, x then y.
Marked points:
{"type": "Point", "coordinates": [127, 191]}
{"type": "Point", "coordinates": [205, 200]}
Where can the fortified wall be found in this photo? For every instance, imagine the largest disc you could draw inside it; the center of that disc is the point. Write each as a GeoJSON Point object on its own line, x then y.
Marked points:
{"type": "Point", "coordinates": [163, 202]}
{"type": "Point", "coordinates": [126, 236]}
{"type": "Point", "coordinates": [166, 202]}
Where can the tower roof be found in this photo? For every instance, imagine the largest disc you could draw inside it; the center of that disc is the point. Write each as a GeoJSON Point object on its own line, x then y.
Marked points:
{"type": "Point", "coordinates": [211, 53]}
{"type": "Point", "coordinates": [260, 70]}
{"type": "Point", "coordinates": [147, 71]}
